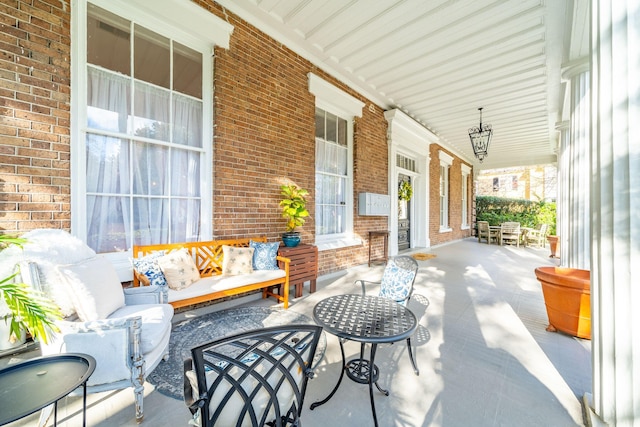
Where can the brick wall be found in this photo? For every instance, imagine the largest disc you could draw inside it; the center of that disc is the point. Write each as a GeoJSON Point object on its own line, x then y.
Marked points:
{"type": "Point", "coordinates": [264, 133]}
{"type": "Point", "coordinates": [34, 115]}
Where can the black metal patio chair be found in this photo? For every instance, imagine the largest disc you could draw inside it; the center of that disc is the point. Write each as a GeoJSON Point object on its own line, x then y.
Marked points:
{"type": "Point", "coordinates": [254, 378]}
{"type": "Point", "coordinates": [397, 284]}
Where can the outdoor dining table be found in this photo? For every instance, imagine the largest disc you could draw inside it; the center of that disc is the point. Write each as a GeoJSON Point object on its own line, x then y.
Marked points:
{"type": "Point", "coordinates": [369, 320]}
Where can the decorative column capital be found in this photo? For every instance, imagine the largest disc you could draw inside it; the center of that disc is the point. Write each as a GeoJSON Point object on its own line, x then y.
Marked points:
{"type": "Point", "coordinates": [574, 68]}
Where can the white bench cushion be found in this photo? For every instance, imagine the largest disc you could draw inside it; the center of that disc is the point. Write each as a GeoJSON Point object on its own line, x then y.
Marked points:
{"type": "Point", "coordinates": [207, 285]}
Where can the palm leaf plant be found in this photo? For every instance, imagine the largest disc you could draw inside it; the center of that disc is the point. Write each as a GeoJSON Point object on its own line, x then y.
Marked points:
{"type": "Point", "coordinates": [29, 309]}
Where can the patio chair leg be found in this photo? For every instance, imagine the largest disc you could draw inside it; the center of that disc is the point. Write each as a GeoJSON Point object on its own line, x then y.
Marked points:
{"type": "Point", "coordinates": [413, 361]}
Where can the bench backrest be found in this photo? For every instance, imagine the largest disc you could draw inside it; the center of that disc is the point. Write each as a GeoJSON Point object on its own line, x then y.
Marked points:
{"type": "Point", "coordinates": [208, 255]}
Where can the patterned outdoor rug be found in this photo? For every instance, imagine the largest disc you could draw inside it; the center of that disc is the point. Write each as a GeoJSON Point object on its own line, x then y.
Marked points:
{"type": "Point", "coordinates": [423, 256]}
{"type": "Point", "coordinates": [168, 375]}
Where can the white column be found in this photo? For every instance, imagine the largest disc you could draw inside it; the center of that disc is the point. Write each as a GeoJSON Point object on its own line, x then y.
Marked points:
{"type": "Point", "coordinates": [562, 213]}
{"type": "Point", "coordinates": [575, 238]}
{"type": "Point", "coordinates": [615, 202]}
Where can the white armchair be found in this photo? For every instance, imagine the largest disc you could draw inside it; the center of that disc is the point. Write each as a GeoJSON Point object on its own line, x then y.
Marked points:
{"type": "Point", "coordinates": [126, 330]}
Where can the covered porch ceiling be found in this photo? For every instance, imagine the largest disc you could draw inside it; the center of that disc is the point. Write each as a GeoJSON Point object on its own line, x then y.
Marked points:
{"type": "Point", "coordinates": [439, 60]}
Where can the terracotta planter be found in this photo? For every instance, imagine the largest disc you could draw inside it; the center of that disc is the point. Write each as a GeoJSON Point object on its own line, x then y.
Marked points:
{"type": "Point", "coordinates": [567, 296]}
{"type": "Point", "coordinates": [553, 244]}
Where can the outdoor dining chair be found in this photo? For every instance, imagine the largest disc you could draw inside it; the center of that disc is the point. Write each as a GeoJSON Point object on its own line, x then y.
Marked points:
{"type": "Point", "coordinates": [254, 378]}
{"type": "Point", "coordinates": [397, 284]}
{"type": "Point", "coordinates": [538, 235]}
{"type": "Point", "coordinates": [485, 232]}
{"type": "Point", "coordinates": [510, 233]}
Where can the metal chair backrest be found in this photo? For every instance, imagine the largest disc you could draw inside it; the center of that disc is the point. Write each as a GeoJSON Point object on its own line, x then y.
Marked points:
{"type": "Point", "coordinates": [252, 378]}
{"type": "Point", "coordinates": [398, 279]}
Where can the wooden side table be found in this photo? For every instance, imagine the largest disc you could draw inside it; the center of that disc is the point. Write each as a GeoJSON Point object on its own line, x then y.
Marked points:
{"type": "Point", "coordinates": [385, 235]}
{"type": "Point", "coordinates": [303, 266]}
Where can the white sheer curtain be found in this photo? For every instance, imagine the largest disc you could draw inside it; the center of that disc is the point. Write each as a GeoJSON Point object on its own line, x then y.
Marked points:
{"type": "Point", "coordinates": [139, 191]}
{"type": "Point", "coordinates": [108, 178]}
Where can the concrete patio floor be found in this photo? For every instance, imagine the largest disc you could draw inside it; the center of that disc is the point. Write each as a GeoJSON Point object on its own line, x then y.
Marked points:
{"type": "Point", "coordinates": [485, 358]}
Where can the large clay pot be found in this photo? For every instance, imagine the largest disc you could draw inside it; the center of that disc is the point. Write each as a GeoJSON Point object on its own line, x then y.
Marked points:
{"type": "Point", "coordinates": [567, 296]}
{"type": "Point", "coordinates": [553, 244]}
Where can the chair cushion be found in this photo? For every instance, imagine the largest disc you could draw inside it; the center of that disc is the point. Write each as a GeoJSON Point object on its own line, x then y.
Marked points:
{"type": "Point", "coordinates": [156, 319]}
{"type": "Point", "coordinates": [237, 260]}
{"type": "Point", "coordinates": [94, 288]}
{"type": "Point", "coordinates": [179, 269]}
{"type": "Point", "coordinates": [264, 255]}
{"type": "Point", "coordinates": [148, 266]}
{"type": "Point", "coordinates": [396, 282]}
{"type": "Point", "coordinates": [232, 409]}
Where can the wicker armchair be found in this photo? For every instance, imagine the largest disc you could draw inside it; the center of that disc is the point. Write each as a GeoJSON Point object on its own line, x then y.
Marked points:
{"type": "Point", "coordinates": [255, 378]}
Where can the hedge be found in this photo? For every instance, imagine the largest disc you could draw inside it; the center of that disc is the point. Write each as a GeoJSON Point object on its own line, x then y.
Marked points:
{"type": "Point", "coordinates": [497, 210]}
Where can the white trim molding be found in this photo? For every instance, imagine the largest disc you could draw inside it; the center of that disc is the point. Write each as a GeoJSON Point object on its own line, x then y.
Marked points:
{"type": "Point", "coordinates": [329, 97]}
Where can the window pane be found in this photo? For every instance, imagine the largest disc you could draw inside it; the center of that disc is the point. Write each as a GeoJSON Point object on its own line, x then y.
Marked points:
{"type": "Point", "coordinates": [320, 123]}
{"type": "Point", "coordinates": [107, 217]}
{"type": "Point", "coordinates": [150, 220]}
{"type": "Point", "coordinates": [342, 132]}
{"type": "Point", "coordinates": [108, 40]}
{"type": "Point", "coordinates": [332, 123]}
{"type": "Point", "coordinates": [187, 121]}
{"type": "Point", "coordinates": [341, 161]}
{"type": "Point", "coordinates": [107, 165]}
{"type": "Point", "coordinates": [151, 112]}
{"type": "Point", "coordinates": [150, 169]}
{"type": "Point", "coordinates": [185, 223]}
{"type": "Point", "coordinates": [187, 71]}
{"type": "Point", "coordinates": [320, 154]}
{"type": "Point", "coordinates": [185, 173]}
{"type": "Point", "coordinates": [108, 100]}
{"type": "Point", "coordinates": [151, 57]}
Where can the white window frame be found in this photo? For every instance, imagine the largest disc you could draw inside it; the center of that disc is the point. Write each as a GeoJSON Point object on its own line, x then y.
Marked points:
{"type": "Point", "coordinates": [445, 163]}
{"type": "Point", "coordinates": [335, 101]}
{"type": "Point", "coordinates": [466, 171]}
{"type": "Point", "coordinates": [165, 17]}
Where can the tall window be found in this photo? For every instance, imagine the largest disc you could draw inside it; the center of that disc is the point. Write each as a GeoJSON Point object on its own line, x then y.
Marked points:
{"type": "Point", "coordinates": [143, 135]}
{"type": "Point", "coordinates": [335, 112]}
{"type": "Point", "coordinates": [445, 162]}
{"type": "Point", "coordinates": [332, 154]}
{"type": "Point", "coordinates": [444, 197]}
{"type": "Point", "coordinates": [466, 170]}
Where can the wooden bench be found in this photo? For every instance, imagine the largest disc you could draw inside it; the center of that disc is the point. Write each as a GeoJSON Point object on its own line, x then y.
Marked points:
{"type": "Point", "coordinates": [213, 285]}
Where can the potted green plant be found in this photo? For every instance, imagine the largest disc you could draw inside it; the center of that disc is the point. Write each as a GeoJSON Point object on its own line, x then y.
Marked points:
{"type": "Point", "coordinates": [294, 211]}
{"type": "Point", "coordinates": [23, 308]}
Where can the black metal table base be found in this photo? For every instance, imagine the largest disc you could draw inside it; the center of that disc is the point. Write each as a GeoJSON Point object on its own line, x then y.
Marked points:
{"type": "Point", "coordinates": [360, 370]}
{"type": "Point", "coordinates": [367, 320]}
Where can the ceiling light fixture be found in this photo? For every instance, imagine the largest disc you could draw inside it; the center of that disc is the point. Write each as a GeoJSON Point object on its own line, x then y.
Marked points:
{"type": "Point", "coordinates": [480, 138]}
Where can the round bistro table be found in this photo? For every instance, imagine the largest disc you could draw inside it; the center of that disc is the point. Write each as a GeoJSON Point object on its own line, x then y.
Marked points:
{"type": "Point", "coordinates": [368, 320]}
{"type": "Point", "coordinates": [37, 383]}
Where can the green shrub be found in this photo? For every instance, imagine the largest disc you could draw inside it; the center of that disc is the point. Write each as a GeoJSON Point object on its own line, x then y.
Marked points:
{"type": "Point", "coordinates": [496, 210]}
